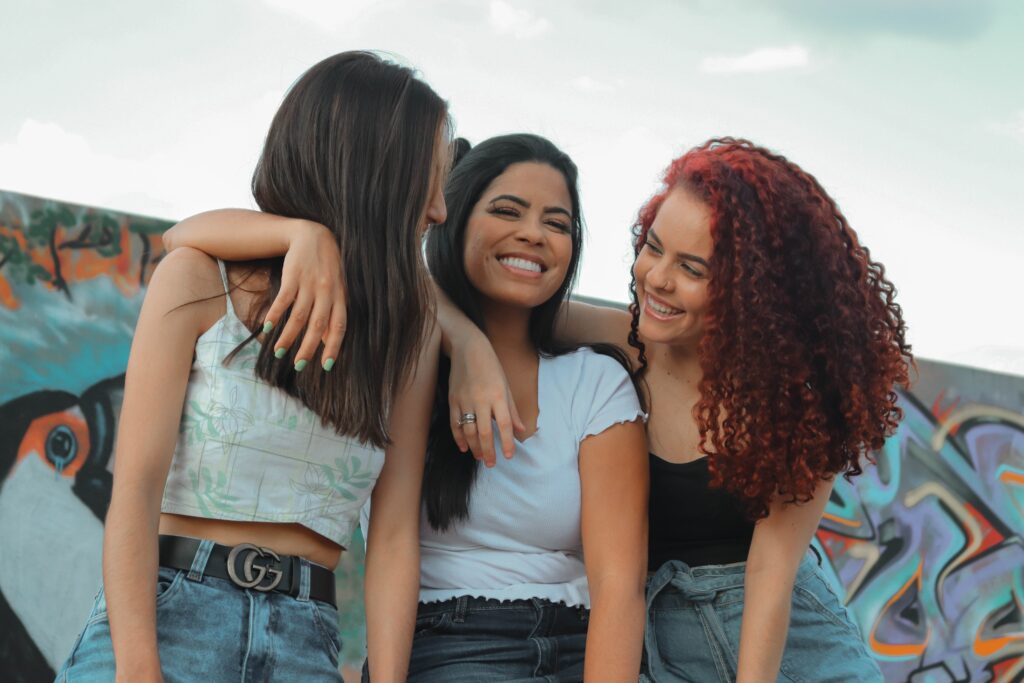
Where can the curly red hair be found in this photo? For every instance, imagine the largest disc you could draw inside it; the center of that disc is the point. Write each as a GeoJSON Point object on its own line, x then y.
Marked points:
{"type": "Point", "coordinates": [804, 342]}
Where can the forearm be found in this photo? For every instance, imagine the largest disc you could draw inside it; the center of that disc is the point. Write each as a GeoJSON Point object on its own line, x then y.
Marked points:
{"type": "Point", "coordinates": [767, 596]}
{"type": "Point", "coordinates": [392, 594]}
{"type": "Point", "coordinates": [615, 633]}
{"type": "Point", "coordinates": [457, 330]}
{"type": "Point", "coordinates": [236, 234]}
{"type": "Point", "coordinates": [130, 565]}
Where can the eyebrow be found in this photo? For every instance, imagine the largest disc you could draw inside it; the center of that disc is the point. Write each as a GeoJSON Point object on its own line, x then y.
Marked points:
{"type": "Point", "coordinates": [526, 205]}
{"type": "Point", "coordinates": [681, 254]}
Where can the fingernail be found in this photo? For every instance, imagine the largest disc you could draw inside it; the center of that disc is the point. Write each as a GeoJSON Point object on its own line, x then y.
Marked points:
{"type": "Point", "coordinates": [267, 327]}
{"type": "Point", "coordinates": [328, 364]}
{"type": "Point", "coordinates": [300, 365]}
{"type": "Point", "coordinates": [279, 353]}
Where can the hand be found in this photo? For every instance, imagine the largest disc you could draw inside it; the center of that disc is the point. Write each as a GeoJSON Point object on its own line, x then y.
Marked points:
{"type": "Point", "coordinates": [312, 284]}
{"type": "Point", "coordinates": [478, 385]}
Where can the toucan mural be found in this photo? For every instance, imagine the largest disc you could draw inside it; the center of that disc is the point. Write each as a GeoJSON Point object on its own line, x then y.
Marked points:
{"type": "Point", "coordinates": [927, 546]}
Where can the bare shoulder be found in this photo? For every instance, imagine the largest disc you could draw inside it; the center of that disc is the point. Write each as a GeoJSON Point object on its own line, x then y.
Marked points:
{"type": "Point", "coordinates": [187, 283]}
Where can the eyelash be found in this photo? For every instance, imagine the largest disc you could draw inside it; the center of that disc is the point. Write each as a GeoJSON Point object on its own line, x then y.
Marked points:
{"type": "Point", "coordinates": [509, 211]}
{"type": "Point", "coordinates": [685, 266]}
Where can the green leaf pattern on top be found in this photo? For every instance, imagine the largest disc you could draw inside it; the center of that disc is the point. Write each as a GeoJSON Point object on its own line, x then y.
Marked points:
{"type": "Point", "coordinates": [212, 495]}
{"type": "Point", "coordinates": [324, 482]}
{"type": "Point", "coordinates": [215, 420]}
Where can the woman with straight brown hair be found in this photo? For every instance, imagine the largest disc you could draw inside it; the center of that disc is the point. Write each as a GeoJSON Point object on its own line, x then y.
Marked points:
{"type": "Point", "coordinates": [239, 478]}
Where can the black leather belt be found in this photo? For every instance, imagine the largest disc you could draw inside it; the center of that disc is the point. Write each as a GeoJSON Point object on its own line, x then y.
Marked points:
{"type": "Point", "coordinates": [248, 566]}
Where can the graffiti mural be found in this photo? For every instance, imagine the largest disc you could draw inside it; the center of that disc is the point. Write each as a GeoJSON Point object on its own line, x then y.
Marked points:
{"type": "Point", "coordinates": [928, 546]}
{"type": "Point", "coordinates": [71, 281]}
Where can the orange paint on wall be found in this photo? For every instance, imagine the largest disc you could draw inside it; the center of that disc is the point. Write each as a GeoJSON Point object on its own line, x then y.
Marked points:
{"type": "Point", "coordinates": [906, 650]}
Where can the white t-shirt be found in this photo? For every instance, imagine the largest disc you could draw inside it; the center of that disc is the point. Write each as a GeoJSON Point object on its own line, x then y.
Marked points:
{"type": "Point", "coordinates": [522, 538]}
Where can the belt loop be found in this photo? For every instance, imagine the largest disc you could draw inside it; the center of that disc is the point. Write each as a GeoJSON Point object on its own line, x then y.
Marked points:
{"type": "Point", "coordinates": [195, 573]}
{"type": "Point", "coordinates": [461, 607]}
{"type": "Point", "coordinates": [303, 595]}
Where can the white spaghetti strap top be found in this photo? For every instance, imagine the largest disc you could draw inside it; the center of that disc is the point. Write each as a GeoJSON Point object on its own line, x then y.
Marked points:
{"type": "Point", "coordinates": [247, 451]}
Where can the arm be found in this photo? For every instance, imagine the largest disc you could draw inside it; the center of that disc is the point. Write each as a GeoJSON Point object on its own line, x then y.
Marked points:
{"type": "Point", "coordinates": [580, 323]}
{"type": "Point", "coordinates": [393, 539]}
{"type": "Point", "coordinates": [312, 283]}
{"type": "Point", "coordinates": [236, 234]}
{"type": "Point", "coordinates": [477, 384]}
{"type": "Point", "coordinates": [161, 358]}
{"type": "Point", "coordinates": [613, 467]}
{"type": "Point", "coordinates": [780, 542]}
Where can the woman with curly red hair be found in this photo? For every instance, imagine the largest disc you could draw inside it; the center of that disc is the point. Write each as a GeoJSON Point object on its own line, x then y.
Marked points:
{"type": "Point", "coordinates": [770, 345]}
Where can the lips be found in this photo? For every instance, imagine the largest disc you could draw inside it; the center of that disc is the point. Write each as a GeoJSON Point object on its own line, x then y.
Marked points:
{"type": "Point", "coordinates": [523, 264]}
{"type": "Point", "coordinates": [660, 309]}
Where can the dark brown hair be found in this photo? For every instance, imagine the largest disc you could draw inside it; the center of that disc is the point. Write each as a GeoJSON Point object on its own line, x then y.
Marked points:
{"type": "Point", "coordinates": [353, 147]}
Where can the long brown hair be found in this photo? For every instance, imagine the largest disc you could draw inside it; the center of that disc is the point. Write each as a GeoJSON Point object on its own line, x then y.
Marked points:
{"type": "Point", "coordinates": [352, 147]}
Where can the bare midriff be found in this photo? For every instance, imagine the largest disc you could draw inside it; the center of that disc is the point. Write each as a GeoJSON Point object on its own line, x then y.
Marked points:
{"type": "Point", "coordinates": [283, 539]}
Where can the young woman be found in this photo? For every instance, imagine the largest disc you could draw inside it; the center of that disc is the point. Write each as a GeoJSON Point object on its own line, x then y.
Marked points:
{"type": "Point", "coordinates": [532, 570]}
{"type": "Point", "coordinates": [770, 344]}
{"type": "Point", "coordinates": [239, 478]}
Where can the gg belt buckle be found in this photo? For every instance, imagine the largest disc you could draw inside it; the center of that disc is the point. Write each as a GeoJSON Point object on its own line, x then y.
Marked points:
{"type": "Point", "coordinates": [262, 571]}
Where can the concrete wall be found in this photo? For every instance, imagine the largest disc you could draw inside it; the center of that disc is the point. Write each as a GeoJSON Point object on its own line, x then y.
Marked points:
{"type": "Point", "coordinates": [927, 545]}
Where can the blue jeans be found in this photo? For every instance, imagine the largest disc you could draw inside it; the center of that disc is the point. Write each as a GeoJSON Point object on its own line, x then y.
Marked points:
{"type": "Point", "coordinates": [468, 640]}
{"type": "Point", "coordinates": [208, 629]}
{"type": "Point", "coordinates": [693, 628]}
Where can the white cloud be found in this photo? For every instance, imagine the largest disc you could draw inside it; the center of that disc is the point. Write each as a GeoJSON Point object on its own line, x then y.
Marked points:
{"type": "Point", "coordinates": [764, 59]}
{"type": "Point", "coordinates": [44, 159]}
{"type": "Point", "coordinates": [207, 166]}
{"type": "Point", "coordinates": [325, 14]}
{"type": "Point", "coordinates": [592, 85]}
{"type": "Point", "coordinates": [1014, 127]}
{"type": "Point", "coordinates": [521, 23]}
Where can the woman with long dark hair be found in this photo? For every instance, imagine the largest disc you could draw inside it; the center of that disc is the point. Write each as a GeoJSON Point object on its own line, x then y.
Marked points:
{"type": "Point", "coordinates": [239, 478]}
{"type": "Point", "coordinates": [533, 569]}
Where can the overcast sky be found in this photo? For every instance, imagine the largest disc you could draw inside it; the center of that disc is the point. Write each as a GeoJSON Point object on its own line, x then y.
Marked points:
{"type": "Point", "coordinates": [910, 112]}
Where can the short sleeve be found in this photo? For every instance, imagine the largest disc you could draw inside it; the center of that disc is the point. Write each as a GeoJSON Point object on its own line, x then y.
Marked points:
{"type": "Point", "coordinates": [605, 396]}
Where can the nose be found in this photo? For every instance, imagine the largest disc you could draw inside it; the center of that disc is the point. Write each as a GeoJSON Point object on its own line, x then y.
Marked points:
{"type": "Point", "coordinates": [659, 277]}
{"type": "Point", "coordinates": [530, 231]}
{"type": "Point", "coordinates": [437, 211]}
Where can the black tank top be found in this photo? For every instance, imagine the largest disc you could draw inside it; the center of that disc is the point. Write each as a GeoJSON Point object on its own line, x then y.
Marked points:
{"type": "Point", "coordinates": [691, 522]}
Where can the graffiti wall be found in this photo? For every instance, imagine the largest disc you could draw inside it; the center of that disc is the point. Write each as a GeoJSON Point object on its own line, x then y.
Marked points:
{"type": "Point", "coordinates": [927, 545]}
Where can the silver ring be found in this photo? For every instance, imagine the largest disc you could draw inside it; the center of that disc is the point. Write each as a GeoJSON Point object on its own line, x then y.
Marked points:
{"type": "Point", "coordinates": [467, 419]}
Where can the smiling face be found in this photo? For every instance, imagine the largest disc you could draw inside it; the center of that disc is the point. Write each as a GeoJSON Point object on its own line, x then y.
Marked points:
{"type": "Point", "coordinates": [518, 242]}
{"type": "Point", "coordinates": [672, 271]}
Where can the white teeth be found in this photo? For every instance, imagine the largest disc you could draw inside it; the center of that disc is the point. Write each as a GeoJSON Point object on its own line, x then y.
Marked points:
{"type": "Point", "coordinates": [663, 310]}
{"type": "Point", "coordinates": [520, 263]}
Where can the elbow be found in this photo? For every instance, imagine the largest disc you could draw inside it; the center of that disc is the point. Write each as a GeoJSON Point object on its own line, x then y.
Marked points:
{"type": "Point", "coordinates": [170, 238]}
{"type": "Point", "coordinates": [619, 589]}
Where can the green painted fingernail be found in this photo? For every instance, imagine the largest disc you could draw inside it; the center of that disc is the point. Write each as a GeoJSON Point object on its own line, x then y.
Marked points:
{"type": "Point", "coordinates": [279, 353]}
{"type": "Point", "coordinates": [328, 364]}
{"type": "Point", "coordinates": [267, 327]}
{"type": "Point", "coordinates": [300, 365]}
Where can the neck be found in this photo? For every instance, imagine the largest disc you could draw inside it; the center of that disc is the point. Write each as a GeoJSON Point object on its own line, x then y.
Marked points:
{"type": "Point", "coordinates": [681, 362]}
{"type": "Point", "coordinates": [508, 329]}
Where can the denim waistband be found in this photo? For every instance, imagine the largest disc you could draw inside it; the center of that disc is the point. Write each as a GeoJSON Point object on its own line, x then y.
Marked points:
{"type": "Point", "coordinates": [703, 583]}
{"type": "Point", "coordinates": [466, 604]}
